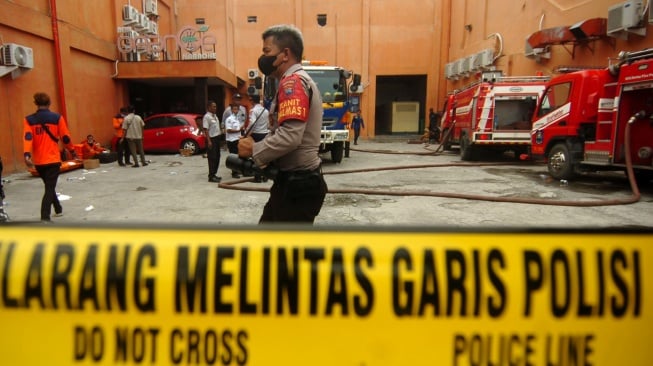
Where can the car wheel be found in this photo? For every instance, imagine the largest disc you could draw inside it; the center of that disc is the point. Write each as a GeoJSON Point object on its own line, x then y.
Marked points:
{"type": "Point", "coordinates": [191, 145]}
{"type": "Point", "coordinates": [560, 163]}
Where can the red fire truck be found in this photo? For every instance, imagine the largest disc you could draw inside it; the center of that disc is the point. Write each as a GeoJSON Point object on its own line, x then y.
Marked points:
{"type": "Point", "coordinates": [492, 115]}
{"type": "Point", "coordinates": [580, 122]}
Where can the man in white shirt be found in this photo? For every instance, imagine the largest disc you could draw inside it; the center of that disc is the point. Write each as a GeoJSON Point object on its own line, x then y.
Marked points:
{"type": "Point", "coordinates": [211, 126]}
{"type": "Point", "coordinates": [259, 119]}
{"type": "Point", "coordinates": [259, 126]}
{"type": "Point", "coordinates": [241, 112]}
{"type": "Point", "coordinates": [234, 129]}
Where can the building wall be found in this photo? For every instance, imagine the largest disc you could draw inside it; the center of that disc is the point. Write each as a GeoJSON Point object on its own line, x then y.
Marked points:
{"type": "Point", "coordinates": [373, 38]}
{"type": "Point", "coordinates": [516, 20]}
{"type": "Point", "coordinates": [87, 31]}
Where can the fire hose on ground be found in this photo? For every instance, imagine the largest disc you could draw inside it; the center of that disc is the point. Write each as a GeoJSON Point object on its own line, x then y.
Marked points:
{"type": "Point", "coordinates": [634, 197]}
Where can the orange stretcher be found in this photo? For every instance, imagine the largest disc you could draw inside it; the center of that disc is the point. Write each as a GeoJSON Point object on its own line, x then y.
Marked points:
{"type": "Point", "coordinates": [67, 165]}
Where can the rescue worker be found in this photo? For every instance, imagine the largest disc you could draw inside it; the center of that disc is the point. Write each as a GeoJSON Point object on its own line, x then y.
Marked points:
{"type": "Point", "coordinates": [42, 132]}
{"type": "Point", "coordinates": [122, 147]}
{"type": "Point", "coordinates": [91, 148]}
{"type": "Point", "coordinates": [299, 188]}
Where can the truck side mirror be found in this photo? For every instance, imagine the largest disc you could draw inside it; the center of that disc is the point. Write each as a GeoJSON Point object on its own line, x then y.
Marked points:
{"type": "Point", "coordinates": [357, 80]}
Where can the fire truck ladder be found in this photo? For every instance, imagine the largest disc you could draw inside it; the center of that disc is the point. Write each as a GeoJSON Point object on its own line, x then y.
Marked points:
{"type": "Point", "coordinates": [523, 79]}
{"type": "Point", "coordinates": [625, 56]}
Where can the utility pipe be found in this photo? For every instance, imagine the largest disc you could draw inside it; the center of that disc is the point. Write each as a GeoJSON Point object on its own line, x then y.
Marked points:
{"type": "Point", "coordinates": [57, 53]}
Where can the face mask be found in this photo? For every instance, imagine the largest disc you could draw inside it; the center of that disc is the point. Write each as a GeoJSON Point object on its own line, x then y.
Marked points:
{"type": "Point", "coordinates": [266, 64]}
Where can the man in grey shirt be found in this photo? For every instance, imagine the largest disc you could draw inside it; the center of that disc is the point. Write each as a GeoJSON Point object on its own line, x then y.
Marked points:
{"type": "Point", "coordinates": [133, 125]}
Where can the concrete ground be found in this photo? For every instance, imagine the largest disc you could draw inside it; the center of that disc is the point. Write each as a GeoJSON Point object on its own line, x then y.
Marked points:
{"type": "Point", "coordinates": [173, 190]}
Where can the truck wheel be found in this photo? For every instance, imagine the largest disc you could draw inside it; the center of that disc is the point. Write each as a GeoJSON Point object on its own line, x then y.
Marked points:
{"type": "Point", "coordinates": [643, 177]}
{"type": "Point", "coordinates": [560, 162]}
{"type": "Point", "coordinates": [337, 151]}
{"type": "Point", "coordinates": [466, 150]}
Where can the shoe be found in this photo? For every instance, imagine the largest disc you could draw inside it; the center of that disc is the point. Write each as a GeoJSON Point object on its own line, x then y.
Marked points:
{"type": "Point", "coordinates": [136, 166]}
{"type": "Point", "coordinates": [145, 164]}
{"type": "Point", "coordinates": [58, 214]}
{"type": "Point", "coordinates": [121, 163]}
{"type": "Point", "coordinates": [235, 175]}
{"type": "Point", "coordinates": [215, 179]}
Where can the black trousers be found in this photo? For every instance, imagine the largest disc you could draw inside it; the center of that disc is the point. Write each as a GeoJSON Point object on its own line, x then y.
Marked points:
{"type": "Point", "coordinates": [213, 156]}
{"type": "Point", "coordinates": [49, 173]}
{"type": "Point", "coordinates": [123, 151]}
{"type": "Point", "coordinates": [357, 133]}
{"type": "Point", "coordinates": [258, 137]}
{"type": "Point", "coordinates": [295, 197]}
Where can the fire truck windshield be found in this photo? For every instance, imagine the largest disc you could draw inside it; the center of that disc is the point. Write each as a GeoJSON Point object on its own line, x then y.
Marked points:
{"type": "Point", "coordinates": [330, 83]}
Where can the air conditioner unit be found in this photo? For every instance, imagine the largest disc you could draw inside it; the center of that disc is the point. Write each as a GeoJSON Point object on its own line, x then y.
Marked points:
{"type": "Point", "coordinates": [252, 73]}
{"type": "Point", "coordinates": [475, 63]}
{"type": "Point", "coordinates": [150, 7]}
{"type": "Point", "coordinates": [17, 55]}
{"type": "Point", "coordinates": [129, 15]}
{"type": "Point", "coordinates": [153, 28]}
{"type": "Point", "coordinates": [457, 70]}
{"type": "Point", "coordinates": [130, 34]}
{"type": "Point", "coordinates": [143, 23]}
{"type": "Point", "coordinates": [466, 65]}
{"type": "Point", "coordinates": [485, 58]}
{"type": "Point", "coordinates": [626, 17]}
{"type": "Point", "coordinates": [448, 71]}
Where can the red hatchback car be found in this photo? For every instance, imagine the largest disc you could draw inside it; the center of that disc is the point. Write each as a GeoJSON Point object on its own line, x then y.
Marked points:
{"type": "Point", "coordinates": [169, 132]}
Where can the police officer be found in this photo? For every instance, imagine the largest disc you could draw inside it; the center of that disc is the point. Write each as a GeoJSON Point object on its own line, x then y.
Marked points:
{"type": "Point", "coordinates": [299, 189]}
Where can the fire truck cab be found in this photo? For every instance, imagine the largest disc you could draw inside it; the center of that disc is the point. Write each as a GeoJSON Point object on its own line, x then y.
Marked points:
{"type": "Point", "coordinates": [492, 115]}
{"type": "Point", "coordinates": [580, 121]}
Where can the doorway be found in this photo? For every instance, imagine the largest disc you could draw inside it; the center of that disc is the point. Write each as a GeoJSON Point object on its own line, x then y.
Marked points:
{"type": "Point", "coordinates": [400, 104]}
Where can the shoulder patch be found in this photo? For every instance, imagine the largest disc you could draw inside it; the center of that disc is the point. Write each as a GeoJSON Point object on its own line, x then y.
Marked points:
{"type": "Point", "coordinates": [293, 100]}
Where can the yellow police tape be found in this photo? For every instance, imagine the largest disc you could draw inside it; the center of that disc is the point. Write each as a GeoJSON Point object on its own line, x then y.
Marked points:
{"type": "Point", "coordinates": [136, 296]}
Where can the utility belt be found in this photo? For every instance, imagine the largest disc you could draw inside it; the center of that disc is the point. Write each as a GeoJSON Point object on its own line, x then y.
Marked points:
{"type": "Point", "coordinates": [283, 176]}
{"type": "Point", "coordinates": [299, 184]}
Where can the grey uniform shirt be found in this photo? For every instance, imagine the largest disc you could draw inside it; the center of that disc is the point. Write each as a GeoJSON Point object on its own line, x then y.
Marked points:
{"type": "Point", "coordinates": [134, 124]}
{"type": "Point", "coordinates": [293, 144]}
